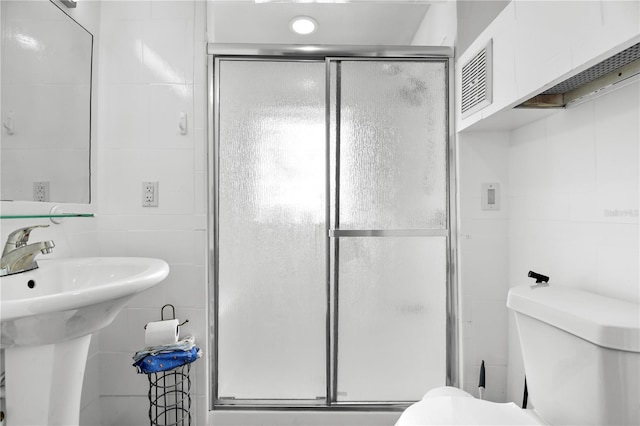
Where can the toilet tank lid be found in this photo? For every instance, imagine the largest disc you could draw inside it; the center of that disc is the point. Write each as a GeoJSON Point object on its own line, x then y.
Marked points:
{"type": "Point", "coordinates": [604, 321]}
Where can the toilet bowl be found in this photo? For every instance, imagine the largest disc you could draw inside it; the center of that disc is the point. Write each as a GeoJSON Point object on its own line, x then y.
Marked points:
{"type": "Point", "coordinates": [581, 354]}
{"type": "Point", "coordinates": [451, 406]}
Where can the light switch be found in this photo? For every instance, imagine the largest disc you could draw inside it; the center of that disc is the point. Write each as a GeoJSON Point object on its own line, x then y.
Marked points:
{"type": "Point", "coordinates": [490, 196]}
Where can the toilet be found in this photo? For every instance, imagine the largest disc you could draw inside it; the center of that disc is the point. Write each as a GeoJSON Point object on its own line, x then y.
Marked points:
{"type": "Point", "coordinates": [581, 354]}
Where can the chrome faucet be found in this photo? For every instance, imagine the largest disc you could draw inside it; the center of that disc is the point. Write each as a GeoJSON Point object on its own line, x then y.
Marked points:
{"type": "Point", "coordinates": [18, 256]}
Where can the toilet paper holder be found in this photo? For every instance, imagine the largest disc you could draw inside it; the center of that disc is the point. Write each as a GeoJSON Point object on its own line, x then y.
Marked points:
{"type": "Point", "coordinates": [173, 313]}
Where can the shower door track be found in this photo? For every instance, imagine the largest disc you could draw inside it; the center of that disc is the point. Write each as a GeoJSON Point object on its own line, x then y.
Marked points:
{"type": "Point", "coordinates": [327, 53]}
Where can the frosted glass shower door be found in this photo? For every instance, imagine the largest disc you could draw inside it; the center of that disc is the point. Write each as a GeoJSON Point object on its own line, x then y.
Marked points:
{"type": "Point", "coordinates": [389, 226]}
{"type": "Point", "coordinates": [272, 288]}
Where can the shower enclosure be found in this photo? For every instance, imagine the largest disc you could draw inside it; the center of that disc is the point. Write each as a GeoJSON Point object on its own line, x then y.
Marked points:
{"type": "Point", "coordinates": [331, 245]}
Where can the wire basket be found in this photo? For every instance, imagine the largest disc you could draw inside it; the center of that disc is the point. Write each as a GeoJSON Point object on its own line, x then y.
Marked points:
{"type": "Point", "coordinates": [170, 397]}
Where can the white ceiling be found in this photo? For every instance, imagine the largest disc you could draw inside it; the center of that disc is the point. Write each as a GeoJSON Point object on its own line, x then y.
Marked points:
{"type": "Point", "coordinates": [353, 23]}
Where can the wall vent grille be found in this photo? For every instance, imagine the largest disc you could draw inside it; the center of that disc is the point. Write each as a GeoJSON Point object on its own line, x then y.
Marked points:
{"type": "Point", "coordinates": [477, 81]}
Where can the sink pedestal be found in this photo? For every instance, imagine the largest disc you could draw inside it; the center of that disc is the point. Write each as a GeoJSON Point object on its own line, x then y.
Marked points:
{"type": "Point", "coordinates": [44, 383]}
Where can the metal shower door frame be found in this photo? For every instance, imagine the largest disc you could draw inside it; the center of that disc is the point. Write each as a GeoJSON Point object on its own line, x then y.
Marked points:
{"type": "Point", "coordinates": [328, 54]}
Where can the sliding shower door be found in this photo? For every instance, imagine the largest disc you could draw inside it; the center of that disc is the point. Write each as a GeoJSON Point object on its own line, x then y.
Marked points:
{"type": "Point", "coordinates": [388, 132]}
{"type": "Point", "coordinates": [271, 231]}
{"type": "Point", "coordinates": [331, 230]}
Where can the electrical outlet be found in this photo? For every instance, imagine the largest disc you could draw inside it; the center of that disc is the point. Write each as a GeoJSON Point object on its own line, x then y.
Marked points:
{"type": "Point", "coordinates": [149, 194]}
{"type": "Point", "coordinates": [41, 191]}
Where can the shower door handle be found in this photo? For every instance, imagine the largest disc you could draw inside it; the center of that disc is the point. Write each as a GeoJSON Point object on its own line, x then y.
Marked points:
{"type": "Point", "coordinates": [342, 233]}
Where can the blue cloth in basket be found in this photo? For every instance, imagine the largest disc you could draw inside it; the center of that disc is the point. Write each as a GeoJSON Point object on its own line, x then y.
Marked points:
{"type": "Point", "coordinates": [165, 361]}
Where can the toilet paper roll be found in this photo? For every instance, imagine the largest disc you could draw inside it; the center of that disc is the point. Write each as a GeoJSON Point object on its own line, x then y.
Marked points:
{"type": "Point", "coordinates": [161, 333]}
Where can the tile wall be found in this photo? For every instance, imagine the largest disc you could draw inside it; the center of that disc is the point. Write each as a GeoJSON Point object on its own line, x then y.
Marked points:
{"type": "Point", "coordinates": [484, 262]}
{"type": "Point", "coordinates": [152, 69]}
{"type": "Point", "coordinates": [573, 194]}
{"type": "Point", "coordinates": [570, 187]}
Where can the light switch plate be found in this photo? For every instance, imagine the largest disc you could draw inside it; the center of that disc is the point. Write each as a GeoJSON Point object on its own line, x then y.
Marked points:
{"type": "Point", "coordinates": [491, 196]}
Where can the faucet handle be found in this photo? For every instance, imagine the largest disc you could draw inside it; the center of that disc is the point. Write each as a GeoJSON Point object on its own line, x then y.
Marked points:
{"type": "Point", "coordinates": [20, 237]}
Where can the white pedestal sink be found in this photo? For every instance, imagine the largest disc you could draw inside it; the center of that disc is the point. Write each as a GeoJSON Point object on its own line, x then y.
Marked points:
{"type": "Point", "coordinates": [47, 317]}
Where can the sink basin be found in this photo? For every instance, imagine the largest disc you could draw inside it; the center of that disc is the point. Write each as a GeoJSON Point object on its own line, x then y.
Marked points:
{"type": "Point", "coordinates": [68, 298]}
{"type": "Point", "coordinates": [47, 317]}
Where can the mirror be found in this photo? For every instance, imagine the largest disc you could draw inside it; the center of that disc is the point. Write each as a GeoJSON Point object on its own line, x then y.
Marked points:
{"type": "Point", "coordinates": [46, 104]}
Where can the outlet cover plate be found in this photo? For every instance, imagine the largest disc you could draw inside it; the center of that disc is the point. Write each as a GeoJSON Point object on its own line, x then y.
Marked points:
{"type": "Point", "coordinates": [149, 194]}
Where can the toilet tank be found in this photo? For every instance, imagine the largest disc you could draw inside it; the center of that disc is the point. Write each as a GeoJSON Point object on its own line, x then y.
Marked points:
{"type": "Point", "coordinates": [581, 354]}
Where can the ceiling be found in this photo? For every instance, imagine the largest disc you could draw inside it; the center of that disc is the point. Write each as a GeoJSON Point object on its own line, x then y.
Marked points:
{"type": "Point", "coordinates": [386, 23]}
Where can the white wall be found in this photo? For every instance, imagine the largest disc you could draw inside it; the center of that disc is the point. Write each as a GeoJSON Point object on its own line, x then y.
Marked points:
{"type": "Point", "coordinates": [152, 69]}
{"type": "Point", "coordinates": [484, 257]}
{"type": "Point", "coordinates": [573, 194]}
{"type": "Point", "coordinates": [570, 185]}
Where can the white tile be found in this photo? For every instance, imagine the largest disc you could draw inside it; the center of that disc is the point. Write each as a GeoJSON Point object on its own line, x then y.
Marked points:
{"type": "Point", "coordinates": [541, 205]}
{"type": "Point", "coordinates": [119, 377]}
{"type": "Point", "coordinates": [112, 243]}
{"type": "Point", "coordinates": [528, 154]}
{"type": "Point", "coordinates": [115, 336]}
{"type": "Point", "coordinates": [200, 249]}
{"type": "Point", "coordinates": [572, 155]}
{"type": "Point", "coordinates": [199, 378]}
{"type": "Point", "coordinates": [118, 10]}
{"type": "Point", "coordinates": [121, 51]}
{"type": "Point", "coordinates": [618, 272]}
{"type": "Point", "coordinates": [200, 58]}
{"type": "Point", "coordinates": [515, 387]}
{"type": "Point", "coordinates": [145, 222]}
{"type": "Point", "coordinates": [200, 101]}
{"type": "Point", "coordinates": [90, 388]}
{"type": "Point", "coordinates": [617, 134]}
{"type": "Point", "coordinates": [200, 151]}
{"type": "Point", "coordinates": [490, 331]}
{"type": "Point", "coordinates": [90, 415]}
{"type": "Point", "coordinates": [196, 327]}
{"type": "Point", "coordinates": [496, 383]}
{"type": "Point", "coordinates": [186, 286]}
{"type": "Point", "coordinates": [166, 103]}
{"type": "Point", "coordinates": [484, 158]}
{"type": "Point", "coordinates": [200, 21]}
{"type": "Point", "coordinates": [123, 126]}
{"type": "Point", "coordinates": [151, 298]}
{"type": "Point", "coordinates": [124, 410]}
{"type": "Point", "coordinates": [200, 410]}
{"type": "Point", "coordinates": [201, 196]}
{"type": "Point", "coordinates": [168, 51]}
{"type": "Point", "coordinates": [466, 318]}
{"type": "Point", "coordinates": [175, 247]}
{"type": "Point", "coordinates": [173, 9]}
{"type": "Point", "coordinates": [127, 169]}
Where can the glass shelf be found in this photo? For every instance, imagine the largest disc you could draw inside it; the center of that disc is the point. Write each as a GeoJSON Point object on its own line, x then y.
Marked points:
{"type": "Point", "coordinates": [46, 216]}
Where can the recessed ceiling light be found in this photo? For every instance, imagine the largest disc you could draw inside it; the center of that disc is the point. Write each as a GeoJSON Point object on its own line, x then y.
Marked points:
{"type": "Point", "coordinates": [303, 25]}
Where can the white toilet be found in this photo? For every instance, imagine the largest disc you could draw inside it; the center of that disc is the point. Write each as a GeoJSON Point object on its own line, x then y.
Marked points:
{"type": "Point", "coordinates": [581, 355]}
